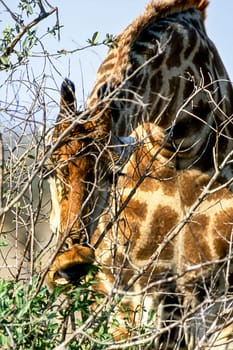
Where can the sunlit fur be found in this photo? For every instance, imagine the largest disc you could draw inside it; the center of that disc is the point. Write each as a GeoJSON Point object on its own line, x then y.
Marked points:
{"type": "Point", "coordinates": [164, 223]}
{"type": "Point", "coordinates": [157, 223]}
{"type": "Point", "coordinates": [145, 212]}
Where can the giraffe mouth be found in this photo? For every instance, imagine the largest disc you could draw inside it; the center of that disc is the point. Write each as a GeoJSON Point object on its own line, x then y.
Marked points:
{"type": "Point", "coordinates": [72, 274]}
{"type": "Point", "coordinates": [70, 266]}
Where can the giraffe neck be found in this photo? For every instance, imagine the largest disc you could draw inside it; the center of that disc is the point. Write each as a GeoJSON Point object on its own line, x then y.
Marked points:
{"type": "Point", "coordinates": [170, 73]}
{"type": "Point", "coordinates": [115, 65]}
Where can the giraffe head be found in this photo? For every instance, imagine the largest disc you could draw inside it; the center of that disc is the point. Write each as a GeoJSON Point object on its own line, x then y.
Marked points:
{"type": "Point", "coordinates": [80, 173]}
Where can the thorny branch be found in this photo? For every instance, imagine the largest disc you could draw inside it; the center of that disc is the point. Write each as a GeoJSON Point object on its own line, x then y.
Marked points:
{"type": "Point", "coordinates": [1, 171]}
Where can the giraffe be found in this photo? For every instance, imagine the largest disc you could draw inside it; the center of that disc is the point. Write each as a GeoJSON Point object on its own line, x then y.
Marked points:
{"type": "Point", "coordinates": [165, 71]}
{"type": "Point", "coordinates": [153, 242]}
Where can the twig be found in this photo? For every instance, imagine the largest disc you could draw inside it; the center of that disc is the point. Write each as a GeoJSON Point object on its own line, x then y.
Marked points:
{"type": "Point", "coordinates": [80, 330]}
{"type": "Point", "coordinates": [15, 18]}
{"type": "Point", "coordinates": [1, 170]}
{"type": "Point", "coordinates": [30, 25]}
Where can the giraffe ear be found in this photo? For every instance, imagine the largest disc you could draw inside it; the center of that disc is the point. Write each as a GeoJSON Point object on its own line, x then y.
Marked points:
{"type": "Point", "coordinates": [67, 102]}
{"type": "Point", "coordinates": [67, 111]}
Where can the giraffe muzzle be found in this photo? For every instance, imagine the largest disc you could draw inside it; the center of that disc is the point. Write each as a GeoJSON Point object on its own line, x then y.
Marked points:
{"type": "Point", "coordinates": [70, 266]}
{"type": "Point", "coordinates": [72, 274]}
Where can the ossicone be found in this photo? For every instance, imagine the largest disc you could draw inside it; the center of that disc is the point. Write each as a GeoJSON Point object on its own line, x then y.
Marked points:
{"type": "Point", "coordinates": [68, 91]}
{"type": "Point", "coordinates": [68, 100]}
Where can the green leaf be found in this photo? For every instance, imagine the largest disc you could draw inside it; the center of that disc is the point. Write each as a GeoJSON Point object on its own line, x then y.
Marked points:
{"type": "Point", "coordinates": [94, 39]}
{"type": "Point", "coordinates": [29, 9]}
{"type": "Point", "coordinates": [4, 244]}
{"type": "Point", "coordinates": [63, 51]}
{"type": "Point", "coordinates": [25, 42]}
{"type": "Point", "coordinates": [4, 60]}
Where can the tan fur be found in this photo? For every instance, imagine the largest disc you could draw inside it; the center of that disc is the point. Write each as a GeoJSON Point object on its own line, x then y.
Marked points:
{"type": "Point", "coordinates": [153, 214]}
{"type": "Point", "coordinates": [163, 228]}
{"type": "Point", "coordinates": [143, 225]}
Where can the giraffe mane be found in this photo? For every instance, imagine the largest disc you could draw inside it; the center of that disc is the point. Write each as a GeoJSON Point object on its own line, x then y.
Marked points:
{"type": "Point", "coordinates": [156, 10]}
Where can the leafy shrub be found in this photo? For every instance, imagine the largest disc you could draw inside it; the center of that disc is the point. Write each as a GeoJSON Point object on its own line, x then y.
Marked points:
{"type": "Point", "coordinates": [43, 320]}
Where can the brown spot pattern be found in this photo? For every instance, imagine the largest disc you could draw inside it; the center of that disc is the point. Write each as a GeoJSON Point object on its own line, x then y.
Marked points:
{"type": "Point", "coordinates": [223, 225]}
{"type": "Point", "coordinates": [196, 243]}
{"type": "Point", "coordinates": [191, 183]}
{"type": "Point", "coordinates": [163, 220]}
{"type": "Point", "coordinates": [135, 210]}
{"type": "Point", "coordinates": [156, 174]}
{"type": "Point", "coordinates": [131, 222]}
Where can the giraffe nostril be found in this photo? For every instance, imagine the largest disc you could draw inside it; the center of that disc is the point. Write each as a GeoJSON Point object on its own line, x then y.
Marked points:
{"type": "Point", "coordinates": [72, 264]}
{"type": "Point", "coordinates": [72, 274]}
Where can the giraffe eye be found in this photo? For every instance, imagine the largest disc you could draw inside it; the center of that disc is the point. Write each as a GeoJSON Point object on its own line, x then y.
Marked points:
{"type": "Point", "coordinates": [64, 170]}
{"type": "Point", "coordinates": [48, 168]}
